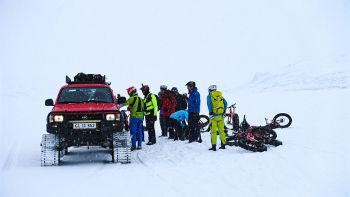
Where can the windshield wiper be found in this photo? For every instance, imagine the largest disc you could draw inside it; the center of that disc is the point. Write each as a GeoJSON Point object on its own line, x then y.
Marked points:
{"type": "Point", "coordinates": [67, 102]}
{"type": "Point", "coordinates": [96, 101]}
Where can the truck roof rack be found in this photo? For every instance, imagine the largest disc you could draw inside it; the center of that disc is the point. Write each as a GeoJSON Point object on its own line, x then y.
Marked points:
{"type": "Point", "coordinates": [82, 78]}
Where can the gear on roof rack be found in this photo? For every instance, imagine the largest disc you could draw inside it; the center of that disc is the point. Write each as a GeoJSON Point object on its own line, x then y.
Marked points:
{"type": "Point", "coordinates": [87, 78]}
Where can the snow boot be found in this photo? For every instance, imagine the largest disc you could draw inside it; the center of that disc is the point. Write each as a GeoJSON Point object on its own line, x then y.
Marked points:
{"type": "Point", "coordinates": [222, 146]}
{"type": "Point", "coordinates": [213, 147]}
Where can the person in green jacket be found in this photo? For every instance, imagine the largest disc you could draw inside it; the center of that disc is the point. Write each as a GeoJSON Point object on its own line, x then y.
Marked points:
{"type": "Point", "coordinates": [136, 108]}
{"type": "Point", "coordinates": [151, 112]}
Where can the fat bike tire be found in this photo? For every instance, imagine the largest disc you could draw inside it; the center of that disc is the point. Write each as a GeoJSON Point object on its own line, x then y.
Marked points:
{"type": "Point", "coordinates": [254, 147]}
{"type": "Point", "coordinates": [204, 123]}
{"type": "Point", "coordinates": [284, 120]}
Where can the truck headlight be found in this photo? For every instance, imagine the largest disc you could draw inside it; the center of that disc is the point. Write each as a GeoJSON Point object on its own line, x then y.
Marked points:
{"type": "Point", "coordinates": [58, 118]}
{"type": "Point", "coordinates": [110, 117]}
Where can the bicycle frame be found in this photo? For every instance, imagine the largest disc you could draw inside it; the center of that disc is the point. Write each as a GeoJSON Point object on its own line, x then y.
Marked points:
{"type": "Point", "coordinates": [231, 118]}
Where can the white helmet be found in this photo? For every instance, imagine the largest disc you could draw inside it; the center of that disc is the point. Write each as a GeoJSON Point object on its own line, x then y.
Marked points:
{"type": "Point", "coordinates": [212, 88]}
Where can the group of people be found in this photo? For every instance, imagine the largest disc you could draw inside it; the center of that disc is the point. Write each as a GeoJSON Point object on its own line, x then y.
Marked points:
{"type": "Point", "coordinates": [178, 114]}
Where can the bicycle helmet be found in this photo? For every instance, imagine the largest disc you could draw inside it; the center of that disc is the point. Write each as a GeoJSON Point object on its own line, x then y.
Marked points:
{"type": "Point", "coordinates": [174, 89]}
{"type": "Point", "coordinates": [144, 88]}
{"type": "Point", "coordinates": [131, 90]}
{"type": "Point", "coordinates": [191, 84]}
{"type": "Point", "coordinates": [212, 88]}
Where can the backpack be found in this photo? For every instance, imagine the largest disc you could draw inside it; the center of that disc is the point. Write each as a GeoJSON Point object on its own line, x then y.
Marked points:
{"type": "Point", "coordinates": [217, 102]}
{"type": "Point", "coordinates": [158, 101]}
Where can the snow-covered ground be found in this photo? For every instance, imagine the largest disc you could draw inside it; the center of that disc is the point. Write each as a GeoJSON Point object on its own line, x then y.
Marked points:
{"type": "Point", "coordinates": [267, 56]}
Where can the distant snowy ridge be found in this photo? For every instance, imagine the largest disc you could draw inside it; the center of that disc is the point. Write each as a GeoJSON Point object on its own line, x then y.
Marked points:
{"type": "Point", "coordinates": [300, 80]}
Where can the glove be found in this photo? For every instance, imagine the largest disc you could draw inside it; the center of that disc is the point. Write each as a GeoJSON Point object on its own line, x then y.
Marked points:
{"type": "Point", "coordinates": [211, 113]}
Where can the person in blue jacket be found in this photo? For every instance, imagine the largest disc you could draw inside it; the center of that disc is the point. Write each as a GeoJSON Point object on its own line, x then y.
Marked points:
{"type": "Point", "coordinates": [178, 121]}
{"type": "Point", "coordinates": [194, 103]}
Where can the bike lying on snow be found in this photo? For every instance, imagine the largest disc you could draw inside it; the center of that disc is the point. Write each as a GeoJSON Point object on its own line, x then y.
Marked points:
{"type": "Point", "coordinates": [255, 138]}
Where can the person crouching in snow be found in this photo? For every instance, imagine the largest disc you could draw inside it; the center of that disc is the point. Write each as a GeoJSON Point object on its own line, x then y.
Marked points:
{"type": "Point", "coordinates": [178, 121]}
{"type": "Point", "coordinates": [217, 106]}
{"type": "Point", "coordinates": [136, 108]}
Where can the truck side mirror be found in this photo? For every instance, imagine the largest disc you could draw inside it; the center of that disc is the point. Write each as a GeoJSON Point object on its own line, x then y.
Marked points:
{"type": "Point", "coordinates": [121, 99]}
{"type": "Point", "coordinates": [49, 102]}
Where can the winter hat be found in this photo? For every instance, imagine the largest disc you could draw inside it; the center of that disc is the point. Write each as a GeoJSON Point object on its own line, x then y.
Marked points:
{"type": "Point", "coordinates": [144, 88]}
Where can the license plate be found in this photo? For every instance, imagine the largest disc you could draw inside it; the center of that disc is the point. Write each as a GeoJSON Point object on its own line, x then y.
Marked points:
{"type": "Point", "coordinates": [84, 125]}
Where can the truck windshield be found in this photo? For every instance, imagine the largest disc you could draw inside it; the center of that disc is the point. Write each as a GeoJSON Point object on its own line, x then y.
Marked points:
{"type": "Point", "coordinates": [85, 95]}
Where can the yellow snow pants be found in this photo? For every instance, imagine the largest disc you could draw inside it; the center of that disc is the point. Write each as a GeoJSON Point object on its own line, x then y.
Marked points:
{"type": "Point", "coordinates": [217, 125]}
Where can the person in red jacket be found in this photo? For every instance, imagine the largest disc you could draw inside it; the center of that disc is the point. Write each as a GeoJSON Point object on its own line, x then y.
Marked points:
{"type": "Point", "coordinates": [167, 107]}
{"type": "Point", "coordinates": [162, 119]}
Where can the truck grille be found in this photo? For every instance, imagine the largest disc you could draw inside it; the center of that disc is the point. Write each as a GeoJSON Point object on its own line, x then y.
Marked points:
{"type": "Point", "coordinates": [79, 117]}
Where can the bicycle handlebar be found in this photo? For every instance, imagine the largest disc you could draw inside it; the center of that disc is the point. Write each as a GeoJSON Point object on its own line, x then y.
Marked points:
{"type": "Point", "coordinates": [233, 105]}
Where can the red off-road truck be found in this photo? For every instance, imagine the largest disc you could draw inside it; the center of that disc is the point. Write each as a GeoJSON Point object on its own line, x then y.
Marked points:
{"type": "Point", "coordinates": [85, 113]}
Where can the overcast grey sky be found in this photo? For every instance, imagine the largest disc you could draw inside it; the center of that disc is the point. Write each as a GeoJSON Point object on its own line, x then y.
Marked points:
{"type": "Point", "coordinates": [224, 42]}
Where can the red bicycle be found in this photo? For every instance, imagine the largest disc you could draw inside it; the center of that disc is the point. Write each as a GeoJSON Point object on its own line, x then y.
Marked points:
{"type": "Point", "coordinates": [254, 138]}
{"type": "Point", "coordinates": [231, 119]}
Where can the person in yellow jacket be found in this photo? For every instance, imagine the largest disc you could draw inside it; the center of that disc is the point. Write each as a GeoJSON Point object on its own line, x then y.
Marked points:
{"type": "Point", "coordinates": [217, 106]}
{"type": "Point", "coordinates": [136, 108]}
{"type": "Point", "coordinates": [151, 112]}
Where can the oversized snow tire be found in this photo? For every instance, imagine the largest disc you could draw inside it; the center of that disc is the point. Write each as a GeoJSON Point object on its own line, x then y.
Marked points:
{"type": "Point", "coordinates": [275, 143]}
{"type": "Point", "coordinates": [255, 147]}
{"type": "Point", "coordinates": [204, 123]}
{"type": "Point", "coordinates": [284, 118]}
{"type": "Point", "coordinates": [121, 147]}
{"type": "Point", "coordinates": [50, 153]}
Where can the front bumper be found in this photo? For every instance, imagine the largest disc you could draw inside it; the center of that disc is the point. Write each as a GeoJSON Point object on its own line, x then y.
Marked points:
{"type": "Point", "coordinates": [85, 137]}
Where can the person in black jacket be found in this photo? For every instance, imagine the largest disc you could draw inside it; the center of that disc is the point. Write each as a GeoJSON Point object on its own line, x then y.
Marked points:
{"type": "Point", "coordinates": [181, 100]}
